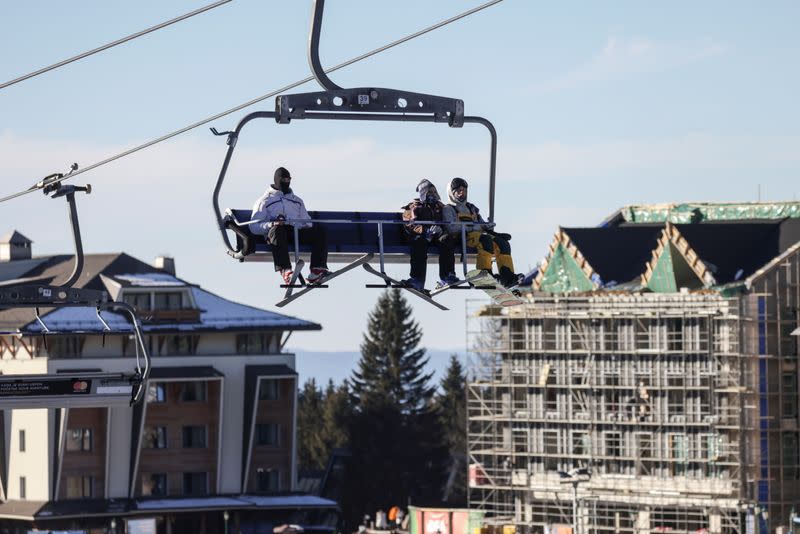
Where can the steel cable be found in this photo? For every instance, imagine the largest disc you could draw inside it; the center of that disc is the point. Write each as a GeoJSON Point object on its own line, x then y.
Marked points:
{"type": "Point", "coordinates": [112, 44]}
{"type": "Point", "coordinates": [255, 100]}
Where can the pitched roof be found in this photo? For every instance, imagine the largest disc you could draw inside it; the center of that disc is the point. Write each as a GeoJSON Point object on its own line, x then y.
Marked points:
{"type": "Point", "coordinates": [216, 313]}
{"type": "Point", "coordinates": [616, 254]}
{"type": "Point", "coordinates": [14, 237]}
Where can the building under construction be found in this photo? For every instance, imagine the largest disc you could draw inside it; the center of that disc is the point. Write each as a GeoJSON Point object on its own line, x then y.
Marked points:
{"type": "Point", "coordinates": [650, 384]}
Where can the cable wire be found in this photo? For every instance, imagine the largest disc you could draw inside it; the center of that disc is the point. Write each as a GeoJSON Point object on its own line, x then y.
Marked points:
{"type": "Point", "coordinates": [255, 100]}
{"type": "Point", "coordinates": [112, 44]}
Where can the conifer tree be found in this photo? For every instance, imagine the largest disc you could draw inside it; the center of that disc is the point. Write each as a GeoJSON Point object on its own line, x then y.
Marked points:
{"type": "Point", "coordinates": [452, 402]}
{"type": "Point", "coordinates": [395, 438]}
{"type": "Point", "coordinates": [336, 412]}
{"type": "Point", "coordinates": [311, 449]}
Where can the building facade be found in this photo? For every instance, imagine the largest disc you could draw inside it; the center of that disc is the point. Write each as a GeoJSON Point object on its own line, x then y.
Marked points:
{"type": "Point", "coordinates": [650, 384]}
{"type": "Point", "coordinates": [218, 417]}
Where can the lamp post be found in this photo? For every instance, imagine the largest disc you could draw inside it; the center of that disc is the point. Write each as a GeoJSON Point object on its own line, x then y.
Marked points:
{"type": "Point", "coordinates": [575, 477]}
{"type": "Point", "coordinates": [226, 516]}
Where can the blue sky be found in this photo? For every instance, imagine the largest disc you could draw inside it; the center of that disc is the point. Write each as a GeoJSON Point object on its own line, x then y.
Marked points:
{"type": "Point", "coordinates": [597, 105]}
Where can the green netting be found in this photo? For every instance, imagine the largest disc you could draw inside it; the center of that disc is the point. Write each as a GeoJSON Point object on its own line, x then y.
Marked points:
{"type": "Point", "coordinates": [702, 212]}
{"type": "Point", "coordinates": [563, 274]}
{"type": "Point", "coordinates": [672, 272]}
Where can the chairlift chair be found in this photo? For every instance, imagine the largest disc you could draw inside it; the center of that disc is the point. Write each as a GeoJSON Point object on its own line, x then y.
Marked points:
{"type": "Point", "coordinates": [78, 389]}
{"type": "Point", "coordinates": [353, 237]}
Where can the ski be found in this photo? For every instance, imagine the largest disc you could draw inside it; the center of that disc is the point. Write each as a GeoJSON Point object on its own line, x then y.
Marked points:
{"type": "Point", "coordinates": [391, 282]}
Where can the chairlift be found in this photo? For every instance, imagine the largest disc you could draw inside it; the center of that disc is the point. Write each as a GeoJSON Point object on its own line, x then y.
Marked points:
{"type": "Point", "coordinates": [80, 388]}
{"type": "Point", "coordinates": [354, 238]}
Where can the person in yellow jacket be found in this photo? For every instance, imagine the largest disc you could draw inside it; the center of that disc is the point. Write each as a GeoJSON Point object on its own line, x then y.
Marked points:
{"type": "Point", "coordinates": [480, 234]}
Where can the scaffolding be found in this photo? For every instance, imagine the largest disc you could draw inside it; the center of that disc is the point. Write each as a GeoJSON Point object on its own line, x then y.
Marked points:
{"type": "Point", "coordinates": [654, 396]}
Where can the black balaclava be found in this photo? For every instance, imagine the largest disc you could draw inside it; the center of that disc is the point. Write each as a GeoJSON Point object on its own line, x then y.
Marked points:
{"type": "Point", "coordinates": [427, 192]}
{"type": "Point", "coordinates": [281, 172]}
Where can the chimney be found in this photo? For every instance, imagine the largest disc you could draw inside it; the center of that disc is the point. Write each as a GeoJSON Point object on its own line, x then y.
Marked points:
{"type": "Point", "coordinates": [166, 264]}
{"type": "Point", "coordinates": [14, 246]}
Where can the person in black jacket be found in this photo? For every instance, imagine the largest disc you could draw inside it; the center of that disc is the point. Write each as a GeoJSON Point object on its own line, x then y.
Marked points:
{"type": "Point", "coordinates": [428, 207]}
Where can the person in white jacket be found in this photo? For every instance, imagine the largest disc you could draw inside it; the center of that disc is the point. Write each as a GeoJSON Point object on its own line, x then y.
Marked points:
{"type": "Point", "coordinates": [276, 213]}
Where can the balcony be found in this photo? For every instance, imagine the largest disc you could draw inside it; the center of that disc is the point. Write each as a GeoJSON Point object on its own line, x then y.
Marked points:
{"type": "Point", "coordinates": [187, 315]}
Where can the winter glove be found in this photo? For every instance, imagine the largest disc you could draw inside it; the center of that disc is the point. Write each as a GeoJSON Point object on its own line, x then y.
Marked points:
{"type": "Point", "coordinates": [433, 232]}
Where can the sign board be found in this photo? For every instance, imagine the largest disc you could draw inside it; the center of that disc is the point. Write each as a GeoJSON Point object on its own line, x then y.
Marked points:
{"type": "Point", "coordinates": [141, 526]}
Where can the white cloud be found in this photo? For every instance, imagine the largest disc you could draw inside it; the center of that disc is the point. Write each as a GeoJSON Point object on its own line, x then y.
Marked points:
{"type": "Point", "coordinates": [624, 57]}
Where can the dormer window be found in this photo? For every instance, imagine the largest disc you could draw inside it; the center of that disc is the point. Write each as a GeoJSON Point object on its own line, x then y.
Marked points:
{"type": "Point", "coordinates": [169, 300]}
{"type": "Point", "coordinates": [162, 305]}
{"type": "Point", "coordinates": [158, 300]}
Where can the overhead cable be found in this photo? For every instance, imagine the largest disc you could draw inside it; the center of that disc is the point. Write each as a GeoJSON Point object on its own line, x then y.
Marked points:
{"type": "Point", "coordinates": [112, 44]}
{"type": "Point", "coordinates": [255, 100]}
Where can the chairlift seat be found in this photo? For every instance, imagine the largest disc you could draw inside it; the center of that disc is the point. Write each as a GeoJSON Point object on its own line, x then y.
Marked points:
{"type": "Point", "coordinates": [348, 240]}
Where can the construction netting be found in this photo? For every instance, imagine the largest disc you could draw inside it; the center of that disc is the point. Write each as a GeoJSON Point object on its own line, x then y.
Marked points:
{"type": "Point", "coordinates": [700, 212]}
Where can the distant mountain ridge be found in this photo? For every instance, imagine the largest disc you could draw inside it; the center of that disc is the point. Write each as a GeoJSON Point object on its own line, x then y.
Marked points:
{"type": "Point", "coordinates": [339, 365]}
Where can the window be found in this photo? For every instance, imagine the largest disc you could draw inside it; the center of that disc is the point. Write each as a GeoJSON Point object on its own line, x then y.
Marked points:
{"type": "Point", "coordinates": [791, 456]}
{"type": "Point", "coordinates": [140, 301]}
{"type": "Point", "coordinates": [194, 437]}
{"type": "Point", "coordinates": [156, 392]}
{"type": "Point", "coordinates": [676, 397]}
{"type": "Point", "coordinates": [22, 488]}
{"type": "Point", "coordinates": [644, 450]}
{"type": "Point", "coordinates": [550, 442]}
{"type": "Point", "coordinates": [611, 395]}
{"type": "Point", "coordinates": [613, 442]}
{"type": "Point", "coordinates": [678, 454]}
{"type": "Point", "coordinates": [580, 443]}
{"type": "Point", "coordinates": [253, 343]}
{"type": "Point", "coordinates": [194, 484]}
{"type": "Point", "coordinates": [267, 434]}
{"type": "Point", "coordinates": [789, 387]}
{"type": "Point", "coordinates": [168, 300]}
{"type": "Point", "coordinates": [79, 439]}
{"type": "Point", "coordinates": [154, 484]}
{"type": "Point", "coordinates": [181, 345]}
{"type": "Point", "coordinates": [155, 437]}
{"type": "Point", "coordinates": [268, 480]}
{"type": "Point", "coordinates": [193, 392]}
{"type": "Point", "coordinates": [65, 346]}
{"type": "Point", "coordinates": [79, 487]}
{"type": "Point", "coordinates": [21, 441]}
{"type": "Point", "coordinates": [268, 389]}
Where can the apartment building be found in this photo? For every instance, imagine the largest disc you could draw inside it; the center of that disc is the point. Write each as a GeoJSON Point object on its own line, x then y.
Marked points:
{"type": "Point", "coordinates": [212, 445]}
{"type": "Point", "coordinates": [650, 383]}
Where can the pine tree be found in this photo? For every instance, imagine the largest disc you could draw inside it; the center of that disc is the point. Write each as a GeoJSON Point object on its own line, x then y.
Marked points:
{"type": "Point", "coordinates": [395, 437]}
{"type": "Point", "coordinates": [336, 413]}
{"type": "Point", "coordinates": [452, 402]}
{"type": "Point", "coordinates": [391, 367]}
{"type": "Point", "coordinates": [311, 450]}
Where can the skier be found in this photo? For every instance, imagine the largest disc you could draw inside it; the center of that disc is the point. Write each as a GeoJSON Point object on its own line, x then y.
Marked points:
{"type": "Point", "coordinates": [277, 205]}
{"type": "Point", "coordinates": [480, 235]}
{"type": "Point", "coordinates": [428, 207]}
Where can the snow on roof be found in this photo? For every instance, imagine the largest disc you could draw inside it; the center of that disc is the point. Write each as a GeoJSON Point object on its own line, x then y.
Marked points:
{"type": "Point", "coordinates": [150, 280]}
{"type": "Point", "coordinates": [287, 501]}
{"type": "Point", "coordinates": [207, 502]}
{"type": "Point", "coordinates": [248, 501]}
{"type": "Point", "coordinates": [216, 313]}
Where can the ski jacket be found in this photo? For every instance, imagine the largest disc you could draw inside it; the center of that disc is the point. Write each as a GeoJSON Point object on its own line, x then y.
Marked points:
{"type": "Point", "coordinates": [455, 212]}
{"type": "Point", "coordinates": [417, 211]}
{"type": "Point", "coordinates": [274, 203]}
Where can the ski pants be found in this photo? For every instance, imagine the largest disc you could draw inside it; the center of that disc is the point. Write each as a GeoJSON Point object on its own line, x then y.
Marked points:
{"type": "Point", "coordinates": [489, 245]}
{"type": "Point", "coordinates": [419, 256]}
{"type": "Point", "coordinates": [280, 236]}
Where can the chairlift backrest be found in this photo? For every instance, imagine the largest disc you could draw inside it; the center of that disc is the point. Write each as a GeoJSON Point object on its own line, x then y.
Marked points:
{"type": "Point", "coordinates": [350, 234]}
